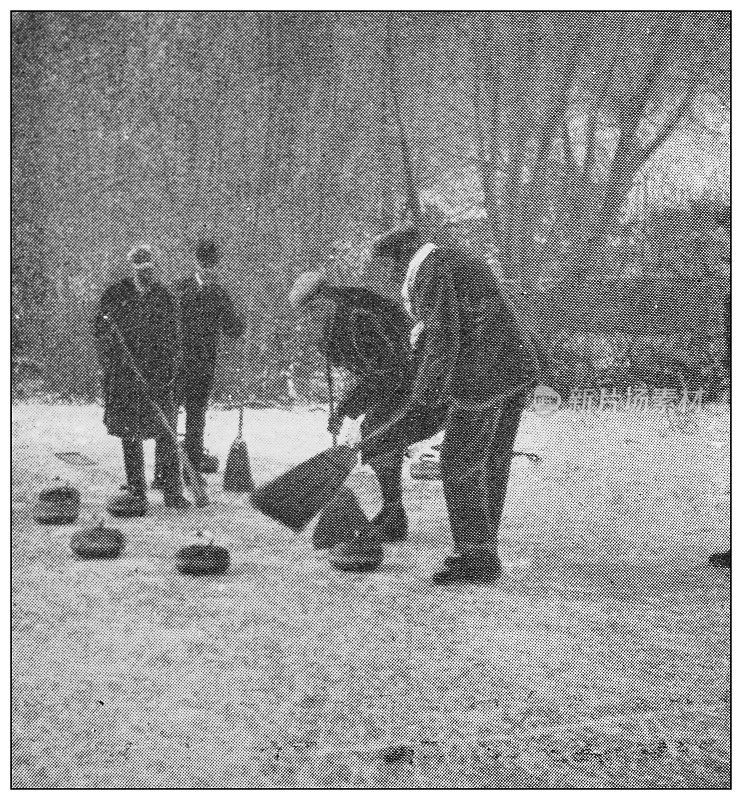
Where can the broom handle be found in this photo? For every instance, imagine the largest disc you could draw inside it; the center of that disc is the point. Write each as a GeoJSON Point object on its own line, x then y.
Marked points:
{"type": "Point", "coordinates": [331, 400]}
{"type": "Point", "coordinates": [242, 386]}
{"type": "Point", "coordinates": [408, 407]}
{"type": "Point", "coordinates": [196, 487]}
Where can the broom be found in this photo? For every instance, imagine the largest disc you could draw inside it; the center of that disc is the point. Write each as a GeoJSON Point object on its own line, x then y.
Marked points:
{"type": "Point", "coordinates": [298, 495]}
{"type": "Point", "coordinates": [199, 494]}
{"type": "Point", "coordinates": [237, 472]}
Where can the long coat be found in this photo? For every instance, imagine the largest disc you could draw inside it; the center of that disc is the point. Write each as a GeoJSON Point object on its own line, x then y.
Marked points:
{"type": "Point", "coordinates": [368, 335]}
{"type": "Point", "coordinates": [148, 324]}
{"type": "Point", "coordinates": [205, 313]}
{"type": "Point", "coordinates": [473, 350]}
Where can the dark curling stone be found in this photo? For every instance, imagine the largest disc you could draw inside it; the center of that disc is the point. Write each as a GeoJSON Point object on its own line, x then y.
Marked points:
{"type": "Point", "coordinates": [209, 463]}
{"type": "Point", "coordinates": [339, 520]}
{"type": "Point", "coordinates": [362, 553]}
{"type": "Point", "coordinates": [127, 504]}
{"type": "Point", "coordinates": [57, 505]}
{"type": "Point", "coordinates": [98, 542]}
{"type": "Point", "coordinates": [202, 559]}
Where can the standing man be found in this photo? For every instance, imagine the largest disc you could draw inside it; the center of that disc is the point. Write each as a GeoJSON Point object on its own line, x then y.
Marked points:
{"type": "Point", "coordinates": [205, 312]}
{"type": "Point", "coordinates": [368, 335]}
{"type": "Point", "coordinates": [144, 313]}
{"type": "Point", "coordinates": [473, 353]}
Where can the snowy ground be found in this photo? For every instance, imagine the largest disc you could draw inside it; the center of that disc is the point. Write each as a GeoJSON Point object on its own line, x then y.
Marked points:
{"type": "Point", "coordinates": [599, 659]}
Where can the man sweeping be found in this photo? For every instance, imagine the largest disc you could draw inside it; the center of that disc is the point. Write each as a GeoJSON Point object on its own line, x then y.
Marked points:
{"type": "Point", "coordinates": [143, 313]}
{"type": "Point", "coordinates": [474, 355]}
{"type": "Point", "coordinates": [368, 335]}
{"type": "Point", "coordinates": [205, 312]}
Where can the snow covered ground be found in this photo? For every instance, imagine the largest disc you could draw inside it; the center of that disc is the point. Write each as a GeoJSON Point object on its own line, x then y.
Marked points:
{"type": "Point", "coordinates": [599, 659]}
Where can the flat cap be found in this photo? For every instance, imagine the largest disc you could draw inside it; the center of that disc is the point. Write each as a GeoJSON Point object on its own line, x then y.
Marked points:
{"type": "Point", "coordinates": [141, 256]}
{"type": "Point", "coordinates": [306, 286]}
{"type": "Point", "coordinates": [399, 243]}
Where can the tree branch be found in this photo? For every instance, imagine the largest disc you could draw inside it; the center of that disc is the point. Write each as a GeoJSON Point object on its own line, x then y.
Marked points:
{"type": "Point", "coordinates": [682, 109]}
{"type": "Point", "coordinates": [558, 110]}
{"type": "Point", "coordinates": [413, 197]}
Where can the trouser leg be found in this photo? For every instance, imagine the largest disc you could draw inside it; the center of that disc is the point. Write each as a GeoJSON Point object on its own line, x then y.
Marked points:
{"type": "Point", "coordinates": [464, 454]}
{"type": "Point", "coordinates": [500, 460]}
{"type": "Point", "coordinates": [388, 469]}
{"type": "Point", "coordinates": [134, 465]}
{"type": "Point", "coordinates": [169, 464]}
{"type": "Point", "coordinates": [195, 423]}
{"type": "Point", "coordinates": [166, 453]}
{"type": "Point", "coordinates": [475, 467]}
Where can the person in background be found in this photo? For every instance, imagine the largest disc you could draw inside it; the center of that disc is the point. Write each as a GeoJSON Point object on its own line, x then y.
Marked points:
{"type": "Point", "coordinates": [476, 359]}
{"type": "Point", "coordinates": [144, 312]}
{"type": "Point", "coordinates": [206, 311]}
{"type": "Point", "coordinates": [368, 335]}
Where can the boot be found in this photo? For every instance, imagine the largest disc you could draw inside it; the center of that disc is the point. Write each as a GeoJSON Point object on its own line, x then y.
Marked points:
{"type": "Point", "coordinates": [391, 523]}
{"type": "Point", "coordinates": [476, 565]}
{"type": "Point", "coordinates": [723, 559]}
{"type": "Point", "coordinates": [176, 501]}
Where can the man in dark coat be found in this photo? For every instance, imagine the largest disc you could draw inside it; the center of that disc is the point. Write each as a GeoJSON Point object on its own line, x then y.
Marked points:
{"type": "Point", "coordinates": [144, 312]}
{"type": "Point", "coordinates": [205, 312]}
{"type": "Point", "coordinates": [368, 336]}
{"type": "Point", "coordinates": [475, 356]}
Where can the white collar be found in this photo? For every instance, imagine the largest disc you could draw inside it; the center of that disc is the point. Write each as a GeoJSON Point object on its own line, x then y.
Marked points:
{"type": "Point", "coordinates": [415, 263]}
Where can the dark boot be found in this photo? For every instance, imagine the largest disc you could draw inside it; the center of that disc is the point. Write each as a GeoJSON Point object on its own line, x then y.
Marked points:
{"type": "Point", "coordinates": [472, 566]}
{"type": "Point", "coordinates": [177, 501]}
{"type": "Point", "coordinates": [391, 523]}
{"type": "Point", "coordinates": [723, 559]}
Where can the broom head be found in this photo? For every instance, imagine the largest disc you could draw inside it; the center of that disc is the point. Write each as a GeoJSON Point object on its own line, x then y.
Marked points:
{"type": "Point", "coordinates": [298, 495]}
{"type": "Point", "coordinates": [237, 473]}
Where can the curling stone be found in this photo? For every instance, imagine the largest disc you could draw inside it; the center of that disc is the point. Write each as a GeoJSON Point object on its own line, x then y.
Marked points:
{"type": "Point", "coordinates": [202, 559]}
{"type": "Point", "coordinates": [127, 504]}
{"type": "Point", "coordinates": [209, 463]}
{"type": "Point", "coordinates": [339, 519]}
{"type": "Point", "coordinates": [362, 553]}
{"type": "Point", "coordinates": [57, 505]}
{"type": "Point", "coordinates": [98, 542]}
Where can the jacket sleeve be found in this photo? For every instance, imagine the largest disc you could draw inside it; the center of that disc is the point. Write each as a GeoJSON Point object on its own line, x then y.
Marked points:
{"type": "Point", "coordinates": [436, 305]}
{"type": "Point", "coordinates": [232, 324]}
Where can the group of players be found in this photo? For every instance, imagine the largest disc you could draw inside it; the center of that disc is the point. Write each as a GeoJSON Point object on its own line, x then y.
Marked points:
{"type": "Point", "coordinates": [450, 355]}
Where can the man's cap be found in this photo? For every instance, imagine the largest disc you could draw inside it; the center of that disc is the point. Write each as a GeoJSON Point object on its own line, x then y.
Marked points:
{"type": "Point", "coordinates": [305, 287]}
{"type": "Point", "coordinates": [399, 243]}
{"type": "Point", "coordinates": [141, 257]}
{"type": "Point", "coordinates": [207, 252]}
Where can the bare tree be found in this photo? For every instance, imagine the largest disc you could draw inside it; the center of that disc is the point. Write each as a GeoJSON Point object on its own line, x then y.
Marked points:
{"type": "Point", "coordinates": [569, 107]}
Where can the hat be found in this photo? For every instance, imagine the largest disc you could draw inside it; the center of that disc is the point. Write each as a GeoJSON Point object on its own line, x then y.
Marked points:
{"type": "Point", "coordinates": [207, 252]}
{"type": "Point", "coordinates": [399, 243]}
{"type": "Point", "coordinates": [141, 257]}
{"type": "Point", "coordinates": [306, 286]}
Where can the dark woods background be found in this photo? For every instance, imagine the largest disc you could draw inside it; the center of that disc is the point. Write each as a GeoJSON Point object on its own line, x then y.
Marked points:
{"type": "Point", "coordinates": [585, 154]}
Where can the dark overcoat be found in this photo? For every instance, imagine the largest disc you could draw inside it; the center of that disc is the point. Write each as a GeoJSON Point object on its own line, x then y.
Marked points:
{"type": "Point", "coordinates": [148, 324]}
{"type": "Point", "coordinates": [473, 350]}
{"type": "Point", "coordinates": [205, 312]}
